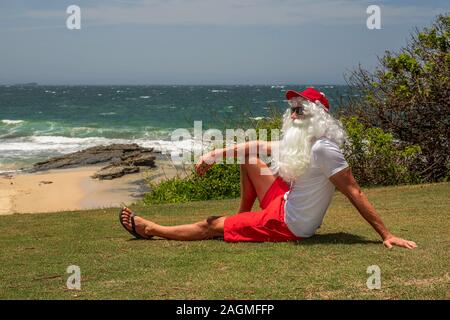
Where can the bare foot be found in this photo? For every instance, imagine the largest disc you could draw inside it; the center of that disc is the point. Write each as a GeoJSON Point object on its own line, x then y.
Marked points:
{"type": "Point", "coordinates": [143, 227]}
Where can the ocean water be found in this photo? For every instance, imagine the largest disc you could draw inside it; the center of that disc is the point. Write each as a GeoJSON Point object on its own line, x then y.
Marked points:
{"type": "Point", "coordinates": [39, 122]}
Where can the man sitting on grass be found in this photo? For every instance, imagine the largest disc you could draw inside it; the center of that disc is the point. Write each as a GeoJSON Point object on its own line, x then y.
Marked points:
{"type": "Point", "coordinates": [293, 194]}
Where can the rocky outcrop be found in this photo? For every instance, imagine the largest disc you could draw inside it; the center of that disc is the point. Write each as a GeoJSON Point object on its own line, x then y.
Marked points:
{"type": "Point", "coordinates": [121, 159]}
{"type": "Point", "coordinates": [112, 172]}
{"type": "Point", "coordinates": [143, 159]}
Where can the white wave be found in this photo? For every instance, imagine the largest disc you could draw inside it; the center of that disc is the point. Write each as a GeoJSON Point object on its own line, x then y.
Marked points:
{"type": "Point", "coordinates": [7, 172]}
{"type": "Point", "coordinates": [144, 97]}
{"type": "Point", "coordinates": [12, 122]}
{"type": "Point", "coordinates": [108, 113]}
{"type": "Point", "coordinates": [217, 90]}
{"type": "Point", "coordinates": [257, 118]}
{"type": "Point", "coordinates": [50, 146]}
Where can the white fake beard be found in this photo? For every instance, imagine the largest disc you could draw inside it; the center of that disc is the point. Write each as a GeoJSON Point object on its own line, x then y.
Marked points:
{"type": "Point", "coordinates": [295, 148]}
{"type": "Point", "coordinates": [293, 157]}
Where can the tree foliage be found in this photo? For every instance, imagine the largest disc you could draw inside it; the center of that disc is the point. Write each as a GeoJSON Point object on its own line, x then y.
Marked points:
{"type": "Point", "coordinates": [408, 96]}
{"type": "Point", "coordinates": [375, 158]}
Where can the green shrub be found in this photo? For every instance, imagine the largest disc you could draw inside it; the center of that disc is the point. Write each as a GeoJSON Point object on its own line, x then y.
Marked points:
{"type": "Point", "coordinates": [222, 181]}
{"type": "Point", "coordinates": [407, 94]}
{"type": "Point", "coordinates": [376, 159]}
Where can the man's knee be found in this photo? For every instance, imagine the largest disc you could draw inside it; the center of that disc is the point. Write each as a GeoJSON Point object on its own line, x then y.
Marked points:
{"type": "Point", "coordinates": [250, 161]}
{"type": "Point", "coordinates": [213, 226]}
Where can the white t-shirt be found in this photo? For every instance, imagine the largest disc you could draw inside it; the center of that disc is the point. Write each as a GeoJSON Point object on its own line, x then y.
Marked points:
{"type": "Point", "coordinates": [310, 195]}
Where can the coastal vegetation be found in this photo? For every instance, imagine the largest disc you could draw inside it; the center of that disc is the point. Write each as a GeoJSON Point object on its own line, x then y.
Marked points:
{"type": "Point", "coordinates": [407, 96]}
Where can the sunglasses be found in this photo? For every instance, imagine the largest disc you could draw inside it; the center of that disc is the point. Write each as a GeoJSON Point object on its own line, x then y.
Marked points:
{"type": "Point", "coordinates": [298, 110]}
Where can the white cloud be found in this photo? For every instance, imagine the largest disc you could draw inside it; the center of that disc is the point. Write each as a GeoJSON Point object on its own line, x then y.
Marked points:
{"type": "Point", "coordinates": [238, 12]}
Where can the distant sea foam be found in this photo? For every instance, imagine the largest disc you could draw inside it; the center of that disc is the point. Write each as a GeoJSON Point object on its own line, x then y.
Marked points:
{"type": "Point", "coordinates": [12, 122]}
{"type": "Point", "coordinates": [37, 148]}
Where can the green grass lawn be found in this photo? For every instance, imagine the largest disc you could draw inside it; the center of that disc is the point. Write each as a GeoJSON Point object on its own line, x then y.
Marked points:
{"type": "Point", "coordinates": [36, 249]}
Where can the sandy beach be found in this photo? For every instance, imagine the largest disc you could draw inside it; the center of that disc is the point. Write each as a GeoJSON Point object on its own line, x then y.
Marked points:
{"type": "Point", "coordinates": [74, 189]}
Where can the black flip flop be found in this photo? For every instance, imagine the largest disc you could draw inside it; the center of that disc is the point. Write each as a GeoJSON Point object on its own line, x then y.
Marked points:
{"type": "Point", "coordinates": [133, 225]}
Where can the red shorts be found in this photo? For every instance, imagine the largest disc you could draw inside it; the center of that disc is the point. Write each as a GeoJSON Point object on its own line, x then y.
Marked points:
{"type": "Point", "coordinates": [262, 226]}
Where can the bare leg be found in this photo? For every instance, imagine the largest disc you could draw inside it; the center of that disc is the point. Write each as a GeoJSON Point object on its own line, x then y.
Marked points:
{"type": "Point", "coordinates": [248, 192]}
{"type": "Point", "coordinates": [253, 183]}
{"type": "Point", "coordinates": [203, 230]}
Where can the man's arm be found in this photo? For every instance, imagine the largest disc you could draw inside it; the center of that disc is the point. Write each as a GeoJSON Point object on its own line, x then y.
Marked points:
{"type": "Point", "coordinates": [346, 183]}
{"type": "Point", "coordinates": [250, 148]}
{"type": "Point", "coordinates": [246, 149]}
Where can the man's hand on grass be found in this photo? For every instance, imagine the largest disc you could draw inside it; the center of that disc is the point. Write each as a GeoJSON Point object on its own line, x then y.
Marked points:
{"type": "Point", "coordinates": [204, 164]}
{"type": "Point", "coordinates": [399, 242]}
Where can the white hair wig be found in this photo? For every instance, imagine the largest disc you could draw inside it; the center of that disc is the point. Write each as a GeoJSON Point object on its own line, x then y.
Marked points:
{"type": "Point", "coordinates": [298, 137]}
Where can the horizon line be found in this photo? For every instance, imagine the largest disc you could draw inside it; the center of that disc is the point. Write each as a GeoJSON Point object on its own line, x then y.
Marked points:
{"type": "Point", "coordinates": [35, 84]}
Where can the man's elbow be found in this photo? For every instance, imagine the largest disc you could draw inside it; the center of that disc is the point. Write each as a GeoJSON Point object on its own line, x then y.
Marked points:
{"type": "Point", "coordinates": [354, 193]}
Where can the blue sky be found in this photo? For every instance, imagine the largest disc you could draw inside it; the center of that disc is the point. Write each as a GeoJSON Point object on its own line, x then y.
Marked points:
{"type": "Point", "coordinates": [200, 41]}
